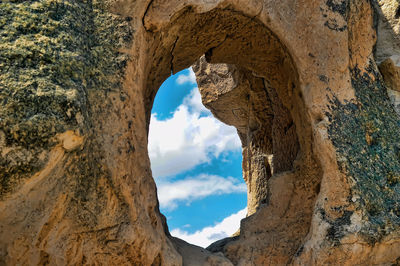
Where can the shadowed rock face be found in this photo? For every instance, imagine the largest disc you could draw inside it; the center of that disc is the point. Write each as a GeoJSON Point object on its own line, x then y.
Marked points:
{"type": "Point", "coordinates": [299, 80]}
{"type": "Point", "coordinates": [264, 124]}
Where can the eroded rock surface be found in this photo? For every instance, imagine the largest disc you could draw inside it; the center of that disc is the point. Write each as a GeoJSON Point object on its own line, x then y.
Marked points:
{"type": "Point", "coordinates": [298, 79]}
{"type": "Point", "coordinates": [390, 70]}
{"type": "Point", "coordinates": [264, 124]}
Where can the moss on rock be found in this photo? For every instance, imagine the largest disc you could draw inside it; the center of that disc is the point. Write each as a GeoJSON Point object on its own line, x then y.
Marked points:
{"type": "Point", "coordinates": [52, 53]}
{"type": "Point", "coordinates": [367, 140]}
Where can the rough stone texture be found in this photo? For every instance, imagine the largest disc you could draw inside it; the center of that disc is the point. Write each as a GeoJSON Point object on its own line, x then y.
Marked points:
{"type": "Point", "coordinates": [298, 79]}
{"type": "Point", "coordinates": [390, 70]}
{"type": "Point", "coordinates": [265, 126]}
{"type": "Point", "coordinates": [387, 51]}
{"type": "Point", "coordinates": [387, 23]}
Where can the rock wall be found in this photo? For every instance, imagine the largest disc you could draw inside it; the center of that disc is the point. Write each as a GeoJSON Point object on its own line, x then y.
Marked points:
{"type": "Point", "coordinates": [298, 79]}
{"type": "Point", "coordinates": [264, 124]}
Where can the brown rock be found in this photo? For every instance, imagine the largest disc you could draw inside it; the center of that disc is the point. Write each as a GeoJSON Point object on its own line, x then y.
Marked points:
{"type": "Point", "coordinates": [391, 72]}
{"type": "Point", "coordinates": [298, 79]}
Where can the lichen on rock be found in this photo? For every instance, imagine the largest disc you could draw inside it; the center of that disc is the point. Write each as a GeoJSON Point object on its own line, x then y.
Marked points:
{"type": "Point", "coordinates": [372, 159]}
{"type": "Point", "coordinates": [52, 54]}
{"type": "Point", "coordinates": [300, 82]}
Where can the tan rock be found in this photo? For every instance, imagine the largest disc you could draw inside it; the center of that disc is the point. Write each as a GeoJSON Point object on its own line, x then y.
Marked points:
{"type": "Point", "coordinates": [298, 79]}
{"type": "Point", "coordinates": [390, 69]}
{"type": "Point", "coordinates": [70, 140]}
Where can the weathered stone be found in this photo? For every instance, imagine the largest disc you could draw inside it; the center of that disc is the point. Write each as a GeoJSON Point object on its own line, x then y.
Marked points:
{"type": "Point", "coordinates": [390, 69]}
{"type": "Point", "coordinates": [265, 126]}
{"type": "Point", "coordinates": [298, 79]}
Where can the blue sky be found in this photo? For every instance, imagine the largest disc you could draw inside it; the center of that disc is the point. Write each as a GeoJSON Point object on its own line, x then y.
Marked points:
{"type": "Point", "coordinates": [196, 163]}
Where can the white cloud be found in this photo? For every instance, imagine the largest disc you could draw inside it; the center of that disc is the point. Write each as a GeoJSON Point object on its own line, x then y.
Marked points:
{"type": "Point", "coordinates": [189, 78]}
{"type": "Point", "coordinates": [193, 101]}
{"type": "Point", "coordinates": [191, 137]}
{"type": "Point", "coordinates": [210, 234]}
{"type": "Point", "coordinates": [194, 188]}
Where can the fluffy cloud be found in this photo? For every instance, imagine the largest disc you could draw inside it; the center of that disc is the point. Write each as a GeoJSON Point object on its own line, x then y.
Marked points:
{"type": "Point", "coordinates": [189, 78]}
{"type": "Point", "coordinates": [210, 234]}
{"type": "Point", "coordinates": [191, 137]}
{"type": "Point", "coordinates": [193, 102]}
{"type": "Point", "coordinates": [194, 188]}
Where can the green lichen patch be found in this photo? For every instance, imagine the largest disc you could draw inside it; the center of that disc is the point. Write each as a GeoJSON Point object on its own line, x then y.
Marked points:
{"type": "Point", "coordinates": [337, 228]}
{"type": "Point", "coordinates": [52, 54]}
{"type": "Point", "coordinates": [366, 136]}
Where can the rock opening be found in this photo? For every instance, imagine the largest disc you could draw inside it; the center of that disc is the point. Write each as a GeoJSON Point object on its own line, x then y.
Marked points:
{"type": "Point", "coordinates": [318, 123]}
{"type": "Point", "coordinates": [247, 79]}
{"type": "Point", "coordinates": [196, 163]}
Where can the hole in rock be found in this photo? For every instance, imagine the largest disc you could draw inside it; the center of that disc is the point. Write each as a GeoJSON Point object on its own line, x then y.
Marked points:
{"type": "Point", "coordinates": [248, 79]}
{"type": "Point", "coordinates": [196, 162]}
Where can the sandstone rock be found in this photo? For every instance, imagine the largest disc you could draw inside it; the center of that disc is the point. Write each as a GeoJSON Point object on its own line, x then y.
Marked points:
{"type": "Point", "coordinates": [265, 126]}
{"type": "Point", "coordinates": [388, 29]}
{"type": "Point", "coordinates": [298, 79]}
{"type": "Point", "coordinates": [194, 255]}
{"type": "Point", "coordinates": [390, 69]}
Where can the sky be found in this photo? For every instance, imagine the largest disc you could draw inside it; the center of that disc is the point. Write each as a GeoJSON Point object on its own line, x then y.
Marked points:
{"type": "Point", "coordinates": [196, 162]}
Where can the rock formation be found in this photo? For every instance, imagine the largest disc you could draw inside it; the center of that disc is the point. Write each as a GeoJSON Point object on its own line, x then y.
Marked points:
{"type": "Point", "coordinates": [311, 86]}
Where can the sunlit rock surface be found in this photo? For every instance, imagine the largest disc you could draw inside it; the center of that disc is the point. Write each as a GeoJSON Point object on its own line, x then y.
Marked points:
{"type": "Point", "coordinates": [299, 80]}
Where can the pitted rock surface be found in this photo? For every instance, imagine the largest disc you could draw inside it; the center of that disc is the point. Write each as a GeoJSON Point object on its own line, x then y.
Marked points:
{"type": "Point", "coordinates": [311, 86]}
